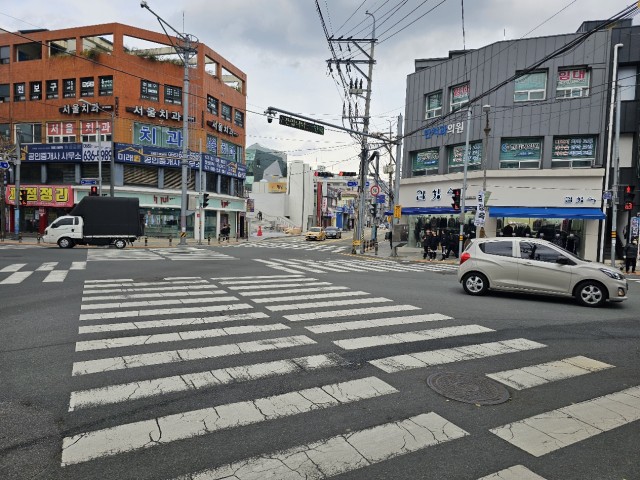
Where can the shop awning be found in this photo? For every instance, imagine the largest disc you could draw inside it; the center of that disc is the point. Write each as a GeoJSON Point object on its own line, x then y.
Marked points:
{"type": "Point", "coordinates": [429, 211]}
{"type": "Point", "coordinates": [547, 212]}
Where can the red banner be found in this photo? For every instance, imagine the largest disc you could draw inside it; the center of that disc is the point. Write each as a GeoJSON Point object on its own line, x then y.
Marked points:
{"type": "Point", "coordinates": [42, 195]}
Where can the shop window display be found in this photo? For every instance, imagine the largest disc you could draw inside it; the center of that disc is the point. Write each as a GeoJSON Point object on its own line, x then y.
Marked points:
{"type": "Point", "coordinates": [566, 233]}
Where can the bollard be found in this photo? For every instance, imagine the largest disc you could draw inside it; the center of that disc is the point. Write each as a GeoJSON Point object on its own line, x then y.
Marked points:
{"type": "Point", "coordinates": [170, 239]}
{"type": "Point", "coordinates": [376, 247]}
{"type": "Point", "coordinates": [38, 238]}
{"type": "Point", "coordinates": [209, 240]}
{"type": "Point", "coordinates": [146, 241]}
{"type": "Point", "coordinates": [219, 237]}
{"type": "Point", "coordinates": [20, 238]}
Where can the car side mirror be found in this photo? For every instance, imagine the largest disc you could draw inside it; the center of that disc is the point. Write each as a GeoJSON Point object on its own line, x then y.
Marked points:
{"type": "Point", "coordinates": [562, 260]}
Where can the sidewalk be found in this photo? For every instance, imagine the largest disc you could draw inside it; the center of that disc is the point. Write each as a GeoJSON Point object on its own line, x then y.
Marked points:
{"type": "Point", "coordinates": [143, 242]}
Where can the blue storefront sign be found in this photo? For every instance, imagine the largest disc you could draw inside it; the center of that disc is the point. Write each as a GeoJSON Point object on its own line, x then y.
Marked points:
{"type": "Point", "coordinates": [59, 152]}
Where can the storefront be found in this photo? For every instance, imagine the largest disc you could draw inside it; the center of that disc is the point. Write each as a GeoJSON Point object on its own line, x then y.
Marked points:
{"type": "Point", "coordinates": [44, 203]}
{"type": "Point", "coordinates": [562, 206]}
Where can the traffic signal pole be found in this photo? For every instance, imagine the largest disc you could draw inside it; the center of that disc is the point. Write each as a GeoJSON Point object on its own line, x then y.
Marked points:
{"type": "Point", "coordinates": [464, 185]}
{"type": "Point", "coordinates": [616, 180]}
{"type": "Point", "coordinates": [16, 194]}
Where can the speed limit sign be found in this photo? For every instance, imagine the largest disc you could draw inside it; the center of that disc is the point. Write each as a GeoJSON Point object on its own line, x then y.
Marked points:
{"type": "Point", "coordinates": [374, 190]}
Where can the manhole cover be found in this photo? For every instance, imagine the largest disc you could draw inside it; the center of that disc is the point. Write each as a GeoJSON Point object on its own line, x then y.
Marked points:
{"type": "Point", "coordinates": [467, 388]}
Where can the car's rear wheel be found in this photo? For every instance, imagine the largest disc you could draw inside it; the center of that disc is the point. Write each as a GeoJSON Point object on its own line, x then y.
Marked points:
{"type": "Point", "coordinates": [591, 293]}
{"type": "Point", "coordinates": [475, 283]}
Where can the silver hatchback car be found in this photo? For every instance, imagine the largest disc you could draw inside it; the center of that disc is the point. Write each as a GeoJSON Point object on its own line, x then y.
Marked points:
{"type": "Point", "coordinates": [532, 265]}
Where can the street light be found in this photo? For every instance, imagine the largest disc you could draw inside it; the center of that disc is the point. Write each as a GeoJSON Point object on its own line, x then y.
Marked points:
{"type": "Point", "coordinates": [111, 155]}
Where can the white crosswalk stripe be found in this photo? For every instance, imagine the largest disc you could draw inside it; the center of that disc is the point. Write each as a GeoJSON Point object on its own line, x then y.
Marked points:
{"type": "Point", "coordinates": [342, 453]}
{"type": "Point", "coordinates": [142, 254]}
{"type": "Point", "coordinates": [173, 323]}
{"type": "Point", "coordinates": [293, 244]}
{"type": "Point", "coordinates": [353, 266]}
{"type": "Point", "coordinates": [55, 273]}
{"type": "Point", "coordinates": [535, 375]}
{"type": "Point", "coordinates": [551, 431]}
{"type": "Point", "coordinates": [162, 430]}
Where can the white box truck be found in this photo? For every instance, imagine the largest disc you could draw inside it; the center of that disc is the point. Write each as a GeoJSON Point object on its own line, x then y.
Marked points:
{"type": "Point", "coordinates": [97, 221]}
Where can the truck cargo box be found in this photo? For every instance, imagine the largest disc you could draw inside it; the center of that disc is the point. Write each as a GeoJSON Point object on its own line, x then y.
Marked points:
{"type": "Point", "coordinates": [109, 216]}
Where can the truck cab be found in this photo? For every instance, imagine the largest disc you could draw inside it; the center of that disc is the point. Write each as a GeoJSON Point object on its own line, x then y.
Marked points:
{"type": "Point", "coordinates": [64, 231]}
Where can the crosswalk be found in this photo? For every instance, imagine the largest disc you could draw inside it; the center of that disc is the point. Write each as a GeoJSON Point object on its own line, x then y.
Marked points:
{"type": "Point", "coordinates": [127, 326]}
{"type": "Point", "coordinates": [296, 243]}
{"type": "Point", "coordinates": [343, 265]}
{"type": "Point", "coordinates": [53, 273]}
{"type": "Point", "coordinates": [174, 254]}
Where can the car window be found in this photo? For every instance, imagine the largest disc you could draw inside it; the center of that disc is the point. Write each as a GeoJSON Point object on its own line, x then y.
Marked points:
{"type": "Point", "coordinates": [535, 251]}
{"type": "Point", "coordinates": [502, 249]}
{"type": "Point", "coordinates": [62, 221]}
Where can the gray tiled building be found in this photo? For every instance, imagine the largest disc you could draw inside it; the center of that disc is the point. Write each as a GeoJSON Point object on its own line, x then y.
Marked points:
{"type": "Point", "coordinates": [547, 148]}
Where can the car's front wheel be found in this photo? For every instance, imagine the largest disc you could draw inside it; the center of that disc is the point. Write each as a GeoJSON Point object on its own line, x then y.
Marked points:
{"type": "Point", "coordinates": [65, 242]}
{"type": "Point", "coordinates": [475, 283]}
{"type": "Point", "coordinates": [591, 293]}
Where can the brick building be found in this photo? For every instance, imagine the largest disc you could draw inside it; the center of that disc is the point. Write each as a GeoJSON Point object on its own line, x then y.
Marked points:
{"type": "Point", "coordinates": [70, 96]}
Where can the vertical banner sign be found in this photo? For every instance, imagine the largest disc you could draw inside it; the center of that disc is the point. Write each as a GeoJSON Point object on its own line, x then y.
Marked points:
{"type": "Point", "coordinates": [319, 204]}
{"type": "Point", "coordinates": [480, 211]}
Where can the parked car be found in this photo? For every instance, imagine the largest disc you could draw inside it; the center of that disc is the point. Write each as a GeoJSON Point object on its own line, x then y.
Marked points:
{"type": "Point", "coordinates": [533, 265]}
{"type": "Point", "coordinates": [316, 233]}
{"type": "Point", "coordinates": [333, 232]}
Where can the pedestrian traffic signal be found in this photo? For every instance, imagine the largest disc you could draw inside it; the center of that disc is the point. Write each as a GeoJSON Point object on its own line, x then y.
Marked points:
{"type": "Point", "coordinates": [205, 200]}
{"type": "Point", "coordinates": [629, 196]}
{"type": "Point", "coordinates": [23, 197]}
{"type": "Point", "coordinates": [373, 209]}
{"type": "Point", "coordinates": [456, 198]}
{"type": "Point", "coordinates": [93, 191]}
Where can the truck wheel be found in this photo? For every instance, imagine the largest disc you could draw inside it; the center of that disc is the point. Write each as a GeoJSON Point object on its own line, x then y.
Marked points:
{"type": "Point", "coordinates": [65, 242]}
{"type": "Point", "coordinates": [120, 243]}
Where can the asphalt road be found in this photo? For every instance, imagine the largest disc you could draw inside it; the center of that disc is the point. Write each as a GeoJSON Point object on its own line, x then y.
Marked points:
{"type": "Point", "coordinates": [126, 367]}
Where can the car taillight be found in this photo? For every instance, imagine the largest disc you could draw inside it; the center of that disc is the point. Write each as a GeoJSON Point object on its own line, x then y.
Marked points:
{"type": "Point", "coordinates": [464, 257]}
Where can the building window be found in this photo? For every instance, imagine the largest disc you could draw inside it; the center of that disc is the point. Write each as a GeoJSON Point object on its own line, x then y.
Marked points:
{"type": "Point", "coordinates": [5, 131]}
{"type": "Point", "coordinates": [69, 88]}
{"type": "Point", "coordinates": [61, 132]}
{"type": "Point", "coordinates": [238, 118]}
{"type": "Point", "coordinates": [173, 95]}
{"type": "Point", "coordinates": [5, 94]}
{"type": "Point", "coordinates": [86, 87]}
{"type": "Point", "coordinates": [212, 105]}
{"type": "Point", "coordinates": [434, 105]}
{"type": "Point", "coordinates": [226, 112]}
{"type": "Point", "coordinates": [425, 162]}
{"type": "Point", "coordinates": [573, 152]}
{"type": "Point", "coordinates": [573, 83]}
{"type": "Point", "coordinates": [28, 132]}
{"type": "Point", "coordinates": [35, 90]}
{"type": "Point", "coordinates": [149, 90]}
{"type": "Point", "coordinates": [456, 157]}
{"type": "Point", "coordinates": [28, 51]}
{"type": "Point", "coordinates": [212, 144]}
{"type": "Point", "coordinates": [4, 54]}
{"type": "Point", "coordinates": [627, 82]}
{"type": "Point", "coordinates": [105, 86]}
{"type": "Point", "coordinates": [230, 151]}
{"type": "Point", "coordinates": [521, 152]}
{"type": "Point", "coordinates": [89, 130]}
{"type": "Point", "coordinates": [459, 96]}
{"type": "Point", "coordinates": [19, 92]}
{"type": "Point", "coordinates": [52, 89]}
{"type": "Point", "coordinates": [530, 87]}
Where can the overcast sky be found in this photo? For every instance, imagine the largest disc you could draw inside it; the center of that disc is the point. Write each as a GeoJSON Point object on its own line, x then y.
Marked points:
{"type": "Point", "coordinates": [281, 46]}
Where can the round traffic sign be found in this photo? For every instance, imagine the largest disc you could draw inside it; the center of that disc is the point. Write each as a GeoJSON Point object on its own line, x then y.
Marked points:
{"type": "Point", "coordinates": [375, 190]}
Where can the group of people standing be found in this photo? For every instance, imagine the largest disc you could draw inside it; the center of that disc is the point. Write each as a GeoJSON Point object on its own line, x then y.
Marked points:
{"type": "Point", "coordinates": [444, 240]}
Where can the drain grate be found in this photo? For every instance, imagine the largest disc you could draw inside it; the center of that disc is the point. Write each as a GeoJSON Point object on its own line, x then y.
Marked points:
{"type": "Point", "coordinates": [467, 388]}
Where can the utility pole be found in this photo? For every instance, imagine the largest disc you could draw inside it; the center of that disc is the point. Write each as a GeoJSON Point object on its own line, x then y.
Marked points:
{"type": "Point", "coordinates": [396, 186]}
{"type": "Point", "coordinates": [16, 194]}
{"type": "Point", "coordinates": [186, 50]}
{"type": "Point", "coordinates": [616, 181]}
{"type": "Point", "coordinates": [355, 88]}
{"type": "Point", "coordinates": [463, 194]}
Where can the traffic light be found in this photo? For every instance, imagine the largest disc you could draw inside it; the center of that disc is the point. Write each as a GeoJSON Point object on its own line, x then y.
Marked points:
{"type": "Point", "coordinates": [323, 174]}
{"type": "Point", "coordinates": [347, 174]}
{"type": "Point", "coordinates": [373, 209]}
{"type": "Point", "coordinates": [93, 191]}
{"type": "Point", "coordinates": [205, 200]}
{"type": "Point", "coordinates": [455, 196]}
{"type": "Point", "coordinates": [629, 196]}
{"type": "Point", "coordinates": [23, 197]}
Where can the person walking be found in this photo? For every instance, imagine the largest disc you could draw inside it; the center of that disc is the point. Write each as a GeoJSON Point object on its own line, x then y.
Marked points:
{"type": "Point", "coordinates": [424, 238]}
{"type": "Point", "coordinates": [434, 243]}
{"type": "Point", "coordinates": [630, 255]}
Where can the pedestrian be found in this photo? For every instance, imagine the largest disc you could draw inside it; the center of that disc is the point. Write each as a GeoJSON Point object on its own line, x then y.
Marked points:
{"type": "Point", "coordinates": [630, 255]}
{"type": "Point", "coordinates": [434, 243]}
{"type": "Point", "coordinates": [424, 238]}
{"type": "Point", "coordinates": [388, 236]}
{"type": "Point", "coordinates": [452, 245]}
{"type": "Point", "coordinates": [444, 242]}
